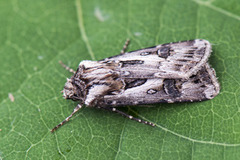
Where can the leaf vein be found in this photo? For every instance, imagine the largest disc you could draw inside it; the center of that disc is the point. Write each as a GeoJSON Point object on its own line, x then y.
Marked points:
{"type": "Point", "coordinates": [220, 10]}
{"type": "Point", "coordinates": [82, 28]}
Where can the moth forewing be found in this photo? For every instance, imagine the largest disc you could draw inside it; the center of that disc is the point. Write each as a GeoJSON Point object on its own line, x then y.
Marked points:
{"type": "Point", "coordinates": [212, 92]}
{"type": "Point", "coordinates": [167, 73]}
{"type": "Point", "coordinates": [172, 60]}
{"type": "Point", "coordinates": [201, 86]}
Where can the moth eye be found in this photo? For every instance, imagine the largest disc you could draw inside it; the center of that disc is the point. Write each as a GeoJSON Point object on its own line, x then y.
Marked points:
{"type": "Point", "coordinates": [163, 52]}
{"type": "Point", "coordinates": [151, 91]}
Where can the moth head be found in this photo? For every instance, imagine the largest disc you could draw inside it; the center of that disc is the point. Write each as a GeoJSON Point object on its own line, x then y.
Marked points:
{"type": "Point", "coordinates": [70, 90]}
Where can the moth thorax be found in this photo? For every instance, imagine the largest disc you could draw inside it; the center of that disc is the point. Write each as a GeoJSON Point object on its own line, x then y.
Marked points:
{"type": "Point", "coordinates": [100, 79]}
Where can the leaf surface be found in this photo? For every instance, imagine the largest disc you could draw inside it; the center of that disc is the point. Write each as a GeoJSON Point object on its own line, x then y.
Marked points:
{"type": "Point", "coordinates": [35, 35]}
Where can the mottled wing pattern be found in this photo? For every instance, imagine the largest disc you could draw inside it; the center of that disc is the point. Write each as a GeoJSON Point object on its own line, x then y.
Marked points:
{"type": "Point", "coordinates": [199, 87]}
{"type": "Point", "coordinates": [185, 58]}
{"type": "Point", "coordinates": [173, 72]}
{"type": "Point", "coordinates": [172, 60]}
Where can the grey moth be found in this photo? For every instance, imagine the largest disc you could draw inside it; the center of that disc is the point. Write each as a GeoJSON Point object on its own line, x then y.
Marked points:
{"type": "Point", "coordinates": [166, 73]}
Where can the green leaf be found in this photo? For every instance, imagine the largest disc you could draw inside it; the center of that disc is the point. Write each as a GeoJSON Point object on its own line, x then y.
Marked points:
{"type": "Point", "coordinates": [35, 35]}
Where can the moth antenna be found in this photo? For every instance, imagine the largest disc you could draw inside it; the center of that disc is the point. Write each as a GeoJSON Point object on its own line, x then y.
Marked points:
{"type": "Point", "coordinates": [68, 118]}
{"type": "Point", "coordinates": [125, 46]}
{"type": "Point", "coordinates": [66, 67]}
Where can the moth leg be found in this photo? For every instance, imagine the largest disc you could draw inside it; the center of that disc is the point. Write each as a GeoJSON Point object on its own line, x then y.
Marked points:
{"type": "Point", "coordinates": [66, 67]}
{"type": "Point", "coordinates": [67, 119]}
{"type": "Point", "coordinates": [125, 46]}
{"type": "Point", "coordinates": [128, 116]}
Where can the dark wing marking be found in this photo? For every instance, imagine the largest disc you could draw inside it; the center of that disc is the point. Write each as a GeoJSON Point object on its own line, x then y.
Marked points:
{"type": "Point", "coordinates": [172, 60]}
{"type": "Point", "coordinates": [199, 87]}
{"type": "Point", "coordinates": [185, 58]}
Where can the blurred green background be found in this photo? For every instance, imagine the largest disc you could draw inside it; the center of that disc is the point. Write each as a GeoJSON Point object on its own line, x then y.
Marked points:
{"type": "Point", "coordinates": [35, 35]}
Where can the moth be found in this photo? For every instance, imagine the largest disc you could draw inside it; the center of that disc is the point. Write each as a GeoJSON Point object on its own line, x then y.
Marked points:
{"type": "Point", "coordinates": [166, 73]}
